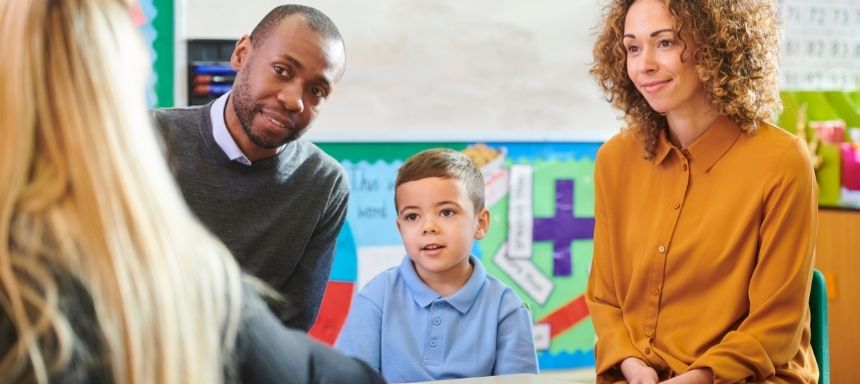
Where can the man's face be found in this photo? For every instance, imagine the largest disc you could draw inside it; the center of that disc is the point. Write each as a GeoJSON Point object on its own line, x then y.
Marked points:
{"type": "Point", "coordinates": [281, 84]}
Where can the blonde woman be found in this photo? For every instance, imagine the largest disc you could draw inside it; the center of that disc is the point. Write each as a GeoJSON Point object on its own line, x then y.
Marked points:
{"type": "Point", "coordinates": [104, 274]}
{"type": "Point", "coordinates": [705, 213]}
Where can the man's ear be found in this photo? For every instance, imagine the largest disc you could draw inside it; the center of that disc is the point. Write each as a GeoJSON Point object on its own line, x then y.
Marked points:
{"type": "Point", "coordinates": [483, 224]}
{"type": "Point", "coordinates": [241, 52]}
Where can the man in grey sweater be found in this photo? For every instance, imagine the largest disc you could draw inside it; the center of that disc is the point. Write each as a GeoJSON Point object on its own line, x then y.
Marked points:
{"type": "Point", "coordinates": [277, 201]}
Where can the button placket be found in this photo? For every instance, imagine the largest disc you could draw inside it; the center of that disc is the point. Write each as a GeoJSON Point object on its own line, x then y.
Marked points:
{"type": "Point", "coordinates": [433, 343]}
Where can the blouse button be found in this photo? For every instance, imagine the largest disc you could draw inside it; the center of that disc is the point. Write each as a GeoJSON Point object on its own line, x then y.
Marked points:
{"type": "Point", "coordinates": [661, 249]}
{"type": "Point", "coordinates": [648, 350]}
{"type": "Point", "coordinates": [655, 291]}
{"type": "Point", "coordinates": [649, 332]}
{"type": "Point", "coordinates": [684, 167]}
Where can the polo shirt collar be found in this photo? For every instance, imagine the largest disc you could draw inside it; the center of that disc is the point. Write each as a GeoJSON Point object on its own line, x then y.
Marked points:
{"type": "Point", "coordinates": [461, 300]}
{"type": "Point", "coordinates": [708, 148]}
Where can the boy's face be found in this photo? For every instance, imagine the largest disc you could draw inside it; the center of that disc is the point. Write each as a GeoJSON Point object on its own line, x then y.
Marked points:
{"type": "Point", "coordinates": [438, 223]}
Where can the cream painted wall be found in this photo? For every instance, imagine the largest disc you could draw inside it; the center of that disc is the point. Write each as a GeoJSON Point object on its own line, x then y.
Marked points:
{"type": "Point", "coordinates": [444, 69]}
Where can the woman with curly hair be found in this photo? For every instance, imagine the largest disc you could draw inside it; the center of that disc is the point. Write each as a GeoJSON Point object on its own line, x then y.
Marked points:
{"type": "Point", "coordinates": [705, 212]}
{"type": "Point", "coordinates": [105, 275]}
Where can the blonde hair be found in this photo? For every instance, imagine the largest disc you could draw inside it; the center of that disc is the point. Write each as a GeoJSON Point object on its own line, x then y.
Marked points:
{"type": "Point", "coordinates": [737, 61]}
{"type": "Point", "coordinates": [86, 192]}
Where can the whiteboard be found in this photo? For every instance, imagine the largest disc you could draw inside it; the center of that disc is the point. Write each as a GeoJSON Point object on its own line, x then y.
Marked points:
{"type": "Point", "coordinates": [477, 69]}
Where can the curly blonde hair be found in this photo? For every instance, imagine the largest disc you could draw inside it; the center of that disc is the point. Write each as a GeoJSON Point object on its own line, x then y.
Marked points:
{"type": "Point", "coordinates": [736, 61]}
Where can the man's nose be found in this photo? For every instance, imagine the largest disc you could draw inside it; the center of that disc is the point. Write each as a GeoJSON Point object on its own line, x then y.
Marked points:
{"type": "Point", "coordinates": [290, 96]}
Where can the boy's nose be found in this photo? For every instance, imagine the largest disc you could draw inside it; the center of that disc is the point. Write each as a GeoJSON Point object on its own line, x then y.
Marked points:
{"type": "Point", "coordinates": [430, 227]}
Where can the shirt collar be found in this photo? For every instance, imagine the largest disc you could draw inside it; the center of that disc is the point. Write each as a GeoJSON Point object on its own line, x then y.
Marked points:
{"type": "Point", "coordinates": [707, 149]}
{"type": "Point", "coordinates": [222, 135]}
{"type": "Point", "coordinates": [461, 300]}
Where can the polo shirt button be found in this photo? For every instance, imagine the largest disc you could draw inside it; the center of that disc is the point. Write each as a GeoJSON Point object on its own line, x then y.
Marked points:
{"type": "Point", "coordinates": [661, 249]}
{"type": "Point", "coordinates": [648, 350]}
{"type": "Point", "coordinates": [677, 205]}
{"type": "Point", "coordinates": [433, 342]}
{"type": "Point", "coordinates": [655, 291]}
{"type": "Point", "coordinates": [649, 332]}
{"type": "Point", "coordinates": [437, 321]}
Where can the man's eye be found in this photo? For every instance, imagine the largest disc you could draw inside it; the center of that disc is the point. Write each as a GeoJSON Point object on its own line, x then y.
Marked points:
{"type": "Point", "coordinates": [280, 70]}
{"type": "Point", "coordinates": [318, 92]}
{"type": "Point", "coordinates": [448, 212]}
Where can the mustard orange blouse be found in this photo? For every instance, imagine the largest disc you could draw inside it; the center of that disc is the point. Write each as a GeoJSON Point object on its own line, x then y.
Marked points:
{"type": "Point", "coordinates": [703, 256]}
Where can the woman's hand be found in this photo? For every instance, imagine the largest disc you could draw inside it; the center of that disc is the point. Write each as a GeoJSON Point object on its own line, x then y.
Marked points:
{"type": "Point", "coordinates": [637, 372]}
{"type": "Point", "coordinates": [694, 376]}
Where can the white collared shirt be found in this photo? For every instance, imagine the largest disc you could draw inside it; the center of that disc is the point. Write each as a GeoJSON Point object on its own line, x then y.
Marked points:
{"type": "Point", "coordinates": [222, 135]}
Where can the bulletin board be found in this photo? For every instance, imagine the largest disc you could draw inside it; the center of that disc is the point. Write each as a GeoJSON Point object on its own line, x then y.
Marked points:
{"type": "Point", "coordinates": [541, 202]}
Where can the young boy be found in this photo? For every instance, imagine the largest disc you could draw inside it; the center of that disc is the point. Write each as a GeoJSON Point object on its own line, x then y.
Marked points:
{"type": "Point", "coordinates": [439, 315]}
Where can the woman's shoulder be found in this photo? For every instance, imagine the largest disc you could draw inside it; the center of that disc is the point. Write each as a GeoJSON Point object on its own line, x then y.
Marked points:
{"type": "Point", "coordinates": [779, 148]}
{"type": "Point", "coordinates": [621, 143]}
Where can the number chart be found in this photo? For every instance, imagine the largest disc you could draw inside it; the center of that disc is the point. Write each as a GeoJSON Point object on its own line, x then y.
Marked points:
{"type": "Point", "coordinates": [820, 49]}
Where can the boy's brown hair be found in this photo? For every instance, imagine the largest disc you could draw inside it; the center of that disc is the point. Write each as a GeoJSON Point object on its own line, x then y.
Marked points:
{"type": "Point", "coordinates": [447, 164]}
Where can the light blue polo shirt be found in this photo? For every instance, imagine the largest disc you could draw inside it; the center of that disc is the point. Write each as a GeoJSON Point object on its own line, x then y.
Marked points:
{"type": "Point", "coordinates": [408, 332]}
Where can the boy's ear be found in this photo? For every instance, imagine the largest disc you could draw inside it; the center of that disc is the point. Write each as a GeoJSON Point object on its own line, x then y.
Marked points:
{"type": "Point", "coordinates": [240, 52]}
{"type": "Point", "coordinates": [483, 224]}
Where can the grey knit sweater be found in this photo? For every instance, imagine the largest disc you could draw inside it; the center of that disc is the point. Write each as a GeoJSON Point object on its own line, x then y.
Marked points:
{"type": "Point", "coordinates": [279, 217]}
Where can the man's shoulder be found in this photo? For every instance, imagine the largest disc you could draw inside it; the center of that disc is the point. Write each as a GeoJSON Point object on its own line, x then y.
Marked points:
{"type": "Point", "coordinates": [168, 118]}
{"type": "Point", "coordinates": [319, 162]}
{"type": "Point", "coordinates": [311, 151]}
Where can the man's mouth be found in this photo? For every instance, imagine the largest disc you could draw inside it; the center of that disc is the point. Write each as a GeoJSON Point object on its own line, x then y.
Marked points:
{"type": "Point", "coordinates": [277, 122]}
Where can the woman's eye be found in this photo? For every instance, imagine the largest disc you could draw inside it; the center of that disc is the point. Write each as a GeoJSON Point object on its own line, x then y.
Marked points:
{"type": "Point", "coordinates": [664, 43]}
{"type": "Point", "coordinates": [632, 49]}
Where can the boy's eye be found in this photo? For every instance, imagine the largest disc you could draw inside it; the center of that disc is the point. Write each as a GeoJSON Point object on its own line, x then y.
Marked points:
{"type": "Point", "coordinates": [447, 212]}
{"type": "Point", "coordinates": [410, 217]}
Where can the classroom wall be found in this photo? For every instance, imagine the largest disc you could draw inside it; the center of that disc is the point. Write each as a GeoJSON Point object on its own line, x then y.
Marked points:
{"type": "Point", "coordinates": [458, 70]}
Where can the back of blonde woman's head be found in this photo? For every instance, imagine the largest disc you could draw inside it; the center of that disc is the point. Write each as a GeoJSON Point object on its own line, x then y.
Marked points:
{"type": "Point", "coordinates": [86, 193]}
{"type": "Point", "coordinates": [737, 61]}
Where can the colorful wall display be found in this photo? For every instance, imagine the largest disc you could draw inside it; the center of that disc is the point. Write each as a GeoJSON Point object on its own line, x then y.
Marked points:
{"type": "Point", "coordinates": [541, 199]}
{"type": "Point", "coordinates": [155, 20]}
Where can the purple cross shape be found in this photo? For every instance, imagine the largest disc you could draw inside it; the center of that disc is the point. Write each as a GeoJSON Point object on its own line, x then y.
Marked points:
{"type": "Point", "coordinates": [563, 228]}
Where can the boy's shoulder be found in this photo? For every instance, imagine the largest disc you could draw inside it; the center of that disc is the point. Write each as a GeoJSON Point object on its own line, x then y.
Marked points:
{"type": "Point", "coordinates": [376, 289]}
{"type": "Point", "coordinates": [496, 288]}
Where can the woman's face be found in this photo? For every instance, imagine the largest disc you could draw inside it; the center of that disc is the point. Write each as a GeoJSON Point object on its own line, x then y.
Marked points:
{"type": "Point", "coordinates": [657, 62]}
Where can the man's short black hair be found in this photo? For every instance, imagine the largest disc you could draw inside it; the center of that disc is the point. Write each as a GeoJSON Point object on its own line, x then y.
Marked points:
{"type": "Point", "coordinates": [318, 21]}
